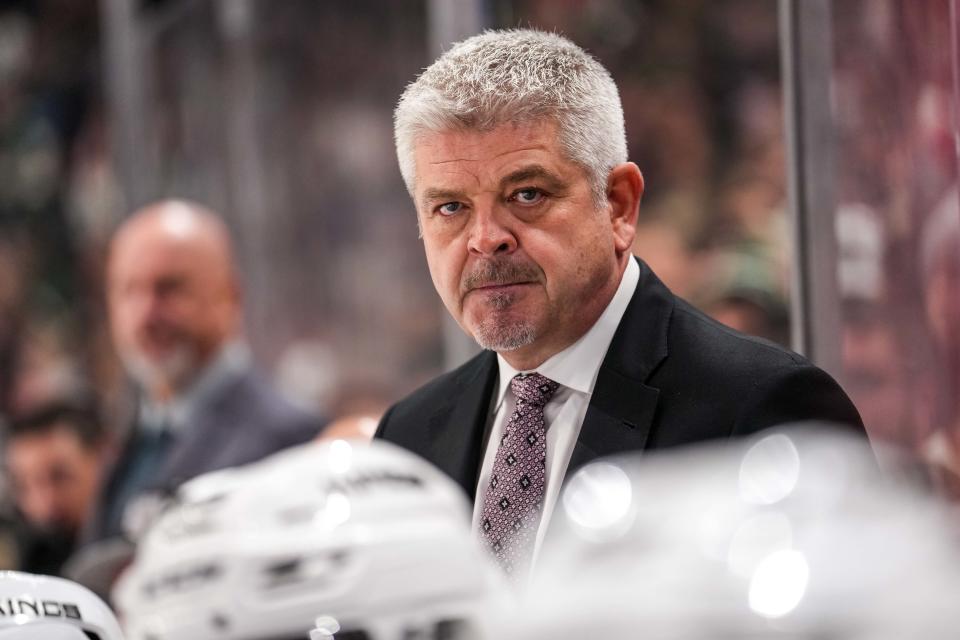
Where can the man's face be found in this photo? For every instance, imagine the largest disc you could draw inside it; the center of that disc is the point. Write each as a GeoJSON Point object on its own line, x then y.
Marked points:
{"type": "Point", "coordinates": [171, 306]}
{"type": "Point", "coordinates": [54, 478]}
{"type": "Point", "coordinates": [517, 249]}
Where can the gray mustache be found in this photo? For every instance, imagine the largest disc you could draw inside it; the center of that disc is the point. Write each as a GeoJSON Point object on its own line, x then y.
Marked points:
{"type": "Point", "coordinates": [498, 272]}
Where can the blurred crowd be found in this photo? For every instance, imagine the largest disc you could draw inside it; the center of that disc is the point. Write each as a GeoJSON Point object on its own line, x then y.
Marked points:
{"type": "Point", "coordinates": [898, 225]}
{"type": "Point", "coordinates": [339, 312]}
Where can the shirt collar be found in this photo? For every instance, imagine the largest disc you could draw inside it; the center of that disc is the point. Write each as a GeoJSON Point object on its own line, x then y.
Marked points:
{"type": "Point", "coordinates": [577, 366]}
{"type": "Point", "coordinates": [232, 360]}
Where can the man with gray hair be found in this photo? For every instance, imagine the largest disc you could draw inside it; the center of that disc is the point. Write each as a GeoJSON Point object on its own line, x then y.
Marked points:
{"type": "Point", "coordinates": [513, 148]}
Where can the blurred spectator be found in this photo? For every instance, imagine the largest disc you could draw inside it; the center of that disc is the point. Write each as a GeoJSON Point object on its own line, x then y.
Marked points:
{"type": "Point", "coordinates": [662, 245]}
{"type": "Point", "coordinates": [874, 375]}
{"type": "Point", "coordinates": [175, 313]}
{"type": "Point", "coordinates": [742, 291]}
{"type": "Point", "coordinates": [48, 73]}
{"type": "Point", "coordinates": [53, 458]}
{"type": "Point", "coordinates": [940, 269]}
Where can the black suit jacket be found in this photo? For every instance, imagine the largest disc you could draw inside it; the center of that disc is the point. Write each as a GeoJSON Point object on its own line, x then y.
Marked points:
{"type": "Point", "coordinates": [672, 376]}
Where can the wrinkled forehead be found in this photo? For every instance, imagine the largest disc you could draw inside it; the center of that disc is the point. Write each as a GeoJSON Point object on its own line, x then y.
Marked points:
{"type": "Point", "coordinates": [154, 254]}
{"type": "Point", "coordinates": [461, 160]}
{"type": "Point", "coordinates": [138, 257]}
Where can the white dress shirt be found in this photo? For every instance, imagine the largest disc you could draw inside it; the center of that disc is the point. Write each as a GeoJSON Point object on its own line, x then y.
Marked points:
{"type": "Point", "coordinates": [575, 369]}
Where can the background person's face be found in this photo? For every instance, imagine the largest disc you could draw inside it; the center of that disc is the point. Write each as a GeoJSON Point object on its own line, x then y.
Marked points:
{"type": "Point", "coordinates": [54, 478]}
{"type": "Point", "coordinates": [171, 307]}
{"type": "Point", "coordinates": [517, 249]}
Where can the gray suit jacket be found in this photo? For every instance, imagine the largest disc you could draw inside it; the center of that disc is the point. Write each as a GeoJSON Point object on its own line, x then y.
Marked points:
{"type": "Point", "coordinates": [242, 421]}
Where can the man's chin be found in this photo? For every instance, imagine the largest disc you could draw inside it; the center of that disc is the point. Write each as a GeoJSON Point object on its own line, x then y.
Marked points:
{"type": "Point", "coordinates": [171, 370]}
{"type": "Point", "coordinates": [497, 335]}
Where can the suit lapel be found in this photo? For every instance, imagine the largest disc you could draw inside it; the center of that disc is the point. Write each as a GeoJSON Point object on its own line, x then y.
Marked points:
{"type": "Point", "coordinates": [456, 430]}
{"type": "Point", "coordinates": [618, 419]}
{"type": "Point", "coordinates": [622, 407]}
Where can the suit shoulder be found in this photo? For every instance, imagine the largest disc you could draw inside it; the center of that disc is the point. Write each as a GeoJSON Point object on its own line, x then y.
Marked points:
{"type": "Point", "coordinates": [255, 404]}
{"type": "Point", "coordinates": [717, 344]}
{"type": "Point", "coordinates": [747, 382]}
{"type": "Point", "coordinates": [424, 400]}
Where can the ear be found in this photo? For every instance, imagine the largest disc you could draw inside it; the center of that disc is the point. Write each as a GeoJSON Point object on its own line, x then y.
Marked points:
{"type": "Point", "coordinates": [624, 190]}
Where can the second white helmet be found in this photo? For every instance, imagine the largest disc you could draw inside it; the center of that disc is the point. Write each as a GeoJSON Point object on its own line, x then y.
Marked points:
{"type": "Point", "coordinates": [366, 533]}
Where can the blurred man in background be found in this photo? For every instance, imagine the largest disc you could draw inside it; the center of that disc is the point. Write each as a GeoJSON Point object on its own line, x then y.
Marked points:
{"type": "Point", "coordinates": [53, 459]}
{"type": "Point", "coordinates": [175, 310]}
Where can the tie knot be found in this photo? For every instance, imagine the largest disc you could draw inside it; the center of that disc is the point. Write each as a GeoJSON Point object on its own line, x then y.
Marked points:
{"type": "Point", "coordinates": [533, 388]}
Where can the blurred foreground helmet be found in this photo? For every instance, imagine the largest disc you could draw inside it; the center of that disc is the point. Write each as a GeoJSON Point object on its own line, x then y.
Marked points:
{"type": "Point", "coordinates": [365, 533]}
{"type": "Point", "coordinates": [795, 534]}
{"type": "Point", "coordinates": [46, 608]}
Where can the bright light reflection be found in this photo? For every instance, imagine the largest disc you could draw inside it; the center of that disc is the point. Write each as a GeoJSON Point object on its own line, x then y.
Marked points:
{"type": "Point", "coordinates": [716, 526]}
{"type": "Point", "coordinates": [769, 470]}
{"type": "Point", "coordinates": [598, 497]}
{"type": "Point", "coordinates": [336, 511]}
{"type": "Point", "coordinates": [756, 539]}
{"type": "Point", "coordinates": [341, 456]}
{"type": "Point", "coordinates": [178, 219]}
{"type": "Point", "coordinates": [326, 627]}
{"type": "Point", "coordinates": [779, 583]}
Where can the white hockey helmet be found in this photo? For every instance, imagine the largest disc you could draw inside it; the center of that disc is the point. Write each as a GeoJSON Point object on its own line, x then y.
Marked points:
{"type": "Point", "coordinates": [794, 534]}
{"type": "Point", "coordinates": [366, 533]}
{"type": "Point", "coordinates": [36, 607]}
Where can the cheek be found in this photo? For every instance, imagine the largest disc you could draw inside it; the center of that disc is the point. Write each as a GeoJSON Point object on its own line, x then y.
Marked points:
{"type": "Point", "coordinates": [554, 255]}
{"type": "Point", "coordinates": [121, 317]}
{"type": "Point", "coordinates": [192, 312]}
{"type": "Point", "coordinates": [445, 265]}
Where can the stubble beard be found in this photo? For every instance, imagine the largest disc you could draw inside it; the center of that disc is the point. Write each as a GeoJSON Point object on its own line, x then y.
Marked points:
{"type": "Point", "coordinates": [171, 371]}
{"type": "Point", "coordinates": [498, 331]}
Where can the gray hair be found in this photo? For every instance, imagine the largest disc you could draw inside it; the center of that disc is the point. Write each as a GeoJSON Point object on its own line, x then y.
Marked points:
{"type": "Point", "coordinates": [514, 77]}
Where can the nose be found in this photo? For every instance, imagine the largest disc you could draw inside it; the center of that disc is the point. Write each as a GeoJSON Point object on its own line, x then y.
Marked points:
{"type": "Point", "coordinates": [136, 304]}
{"type": "Point", "coordinates": [490, 233]}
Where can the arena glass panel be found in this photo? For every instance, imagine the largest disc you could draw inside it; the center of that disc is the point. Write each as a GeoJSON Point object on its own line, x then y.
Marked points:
{"type": "Point", "coordinates": [279, 115]}
{"type": "Point", "coordinates": [893, 104]}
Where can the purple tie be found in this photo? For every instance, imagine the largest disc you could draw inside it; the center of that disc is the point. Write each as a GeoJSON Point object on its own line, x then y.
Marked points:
{"type": "Point", "coordinates": [514, 497]}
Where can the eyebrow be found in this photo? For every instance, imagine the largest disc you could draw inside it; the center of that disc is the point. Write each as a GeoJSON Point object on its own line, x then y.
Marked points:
{"type": "Point", "coordinates": [523, 174]}
{"type": "Point", "coordinates": [445, 195]}
{"type": "Point", "coordinates": [533, 172]}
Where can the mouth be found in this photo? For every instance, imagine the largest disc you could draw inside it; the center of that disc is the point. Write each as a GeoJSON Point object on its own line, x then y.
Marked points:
{"type": "Point", "coordinates": [499, 281]}
{"type": "Point", "coordinates": [498, 287]}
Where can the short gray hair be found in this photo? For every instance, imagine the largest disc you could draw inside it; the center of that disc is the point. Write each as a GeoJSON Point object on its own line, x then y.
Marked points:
{"type": "Point", "coordinates": [514, 77]}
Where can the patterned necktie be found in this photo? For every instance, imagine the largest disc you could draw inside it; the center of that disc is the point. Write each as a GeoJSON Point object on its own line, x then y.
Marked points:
{"type": "Point", "coordinates": [514, 497]}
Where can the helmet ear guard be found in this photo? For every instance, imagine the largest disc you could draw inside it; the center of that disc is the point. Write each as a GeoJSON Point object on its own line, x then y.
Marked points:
{"type": "Point", "coordinates": [34, 607]}
{"type": "Point", "coordinates": [366, 535]}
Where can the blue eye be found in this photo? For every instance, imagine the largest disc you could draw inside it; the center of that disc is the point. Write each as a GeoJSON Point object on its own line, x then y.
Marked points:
{"type": "Point", "coordinates": [527, 196]}
{"type": "Point", "coordinates": [449, 208]}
